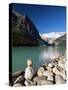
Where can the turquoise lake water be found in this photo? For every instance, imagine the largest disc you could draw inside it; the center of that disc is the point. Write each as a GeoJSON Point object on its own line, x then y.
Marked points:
{"type": "Point", "coordinates": [39, 55]}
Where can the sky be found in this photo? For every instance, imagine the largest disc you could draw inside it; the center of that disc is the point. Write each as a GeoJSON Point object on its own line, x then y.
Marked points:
{"type": "Point", "coordinates": [46, 18]}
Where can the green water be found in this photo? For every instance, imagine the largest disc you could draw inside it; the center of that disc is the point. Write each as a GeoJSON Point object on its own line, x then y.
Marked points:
{"type": "Point", "coordinates": [39, 56]}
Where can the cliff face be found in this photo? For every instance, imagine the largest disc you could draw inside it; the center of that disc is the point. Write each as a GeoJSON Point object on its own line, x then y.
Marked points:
{"type": "Point", "coordinates": [24, 32]}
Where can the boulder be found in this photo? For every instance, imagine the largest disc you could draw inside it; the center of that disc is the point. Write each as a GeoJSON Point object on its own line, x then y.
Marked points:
{"type": "Point", "coordinates": [49, 75]}
{"type": "Point", "coordinates": [63, 74]}
{"type": "Point", "coordinates": [59, 79]}
{"type": "Point", "coordinates": [37, 78]}
{"type": "Point", "coordinates": [20, 79]}
{"type": "Point", "coordinates": [29, 72]}
{"type": "Point", "coordinates": [17, 85]}
{"type": "Point", "coordinates": [60, 71]}
{"type": "Point", "coordinates": [55, 70]}
{"type": "Point", "coordinates": [51, 65]}
{"type": "Point", "coordinates": [44, 82]}
{"type": "Point", "coordinates": [40, 71]}
{"type": "Point", "coordinates": [49, 69]}
{"type": "Point", "coordinates": [29, 83]}
{"type": "Point", "coordinates": [61, 64]}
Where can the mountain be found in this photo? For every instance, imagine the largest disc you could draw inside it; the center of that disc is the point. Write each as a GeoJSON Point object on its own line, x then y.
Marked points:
{"type": "Point", "coordinates": [24, 31]}
{"type": "Point", "coordinates": [53, 36]}
{"type": "Point", "coordinates": [61, 40]}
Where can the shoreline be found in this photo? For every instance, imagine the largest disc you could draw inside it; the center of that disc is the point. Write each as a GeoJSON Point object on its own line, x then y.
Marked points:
{"type": "Point", "coordinates": [50, 74]}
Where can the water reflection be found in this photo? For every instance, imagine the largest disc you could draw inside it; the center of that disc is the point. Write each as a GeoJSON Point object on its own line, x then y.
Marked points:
{"type": "Point", "coordinates": [47, 55]}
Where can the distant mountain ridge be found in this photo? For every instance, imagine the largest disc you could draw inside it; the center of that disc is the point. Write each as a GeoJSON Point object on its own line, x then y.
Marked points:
{"type": "Point", "coordinates": [61, 40]}
{"type": "Point", "coordinates": [54, 37]}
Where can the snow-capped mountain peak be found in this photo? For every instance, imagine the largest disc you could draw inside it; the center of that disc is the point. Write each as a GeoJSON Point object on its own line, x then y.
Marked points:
{"type": "Point", "coordinates": [53, 35]}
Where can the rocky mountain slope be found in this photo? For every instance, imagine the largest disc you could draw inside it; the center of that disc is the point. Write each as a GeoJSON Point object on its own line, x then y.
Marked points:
{"type": "Point", "coordinates": [24, 32]}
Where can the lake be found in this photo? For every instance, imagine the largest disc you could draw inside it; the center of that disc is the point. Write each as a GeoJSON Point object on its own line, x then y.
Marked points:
{"type": "Point", "coordinates": [39, 55]}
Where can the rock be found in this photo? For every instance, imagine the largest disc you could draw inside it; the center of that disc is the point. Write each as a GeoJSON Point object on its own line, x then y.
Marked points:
{"type": "Point", "coordinates": [53, 73]}
{"type": "Point", "coordinates": [29, 83]}
{"type": "Point", "coordinates": [40, 71]}
{"type": "Point", "coordinates": [59, 80]}
{"type": "Point", "coordinates": [55, 61]}
{"type": "Point", "coordinates": [29, 72]}
{"type": "Point", "coordinates": [63, 74]}
{"type": "Point", "coordinates": [37, 78]}
{"type": "Point", "coordinates": [20, 79]}
{"type": "Point", "coordinates": [55, 70]}
{"type": "Point", "coordinates": [51, 65]}
{"type": "Point", "coordinates": [29, 62]}
{"type": "Point", "coordinates": [60, 61]}
{"type": "Point", "coordinates": [17, 85]}
{"type": "Point", "coordinates": [61, 64]}
{"type": "Point", "coordinates": [49, 69]}
{"type": "Point", "coordinates": [64, 59]}
{"type": "Point", "coordinates": [45, 67]}
{"type": "Point", "coordinates": [60, 71]}
{"type": "Point", "coordinates": [49, 75]}
{"type": "Point", "coordinates": [44, 82]}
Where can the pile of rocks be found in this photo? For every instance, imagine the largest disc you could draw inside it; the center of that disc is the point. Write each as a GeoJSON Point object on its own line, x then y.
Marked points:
{"type": "Point", "coordinates": [53, 73]}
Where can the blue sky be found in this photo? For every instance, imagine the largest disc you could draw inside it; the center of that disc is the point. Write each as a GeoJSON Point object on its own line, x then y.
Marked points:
{"type": "Point", "coordinates": [46, 18]}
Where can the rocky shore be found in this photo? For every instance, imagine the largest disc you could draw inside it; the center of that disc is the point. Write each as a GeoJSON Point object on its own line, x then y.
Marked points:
{"type": "Point", "coordinates": [51, 74]}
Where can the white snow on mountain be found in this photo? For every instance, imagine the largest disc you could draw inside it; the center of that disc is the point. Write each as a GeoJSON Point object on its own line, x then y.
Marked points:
{"type": "Point", "coordinates": [52, 35]}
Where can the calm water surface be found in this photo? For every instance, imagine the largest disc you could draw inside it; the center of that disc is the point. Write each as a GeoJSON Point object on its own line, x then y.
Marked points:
{"type": "Point", "coordinates": [39, 56]}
